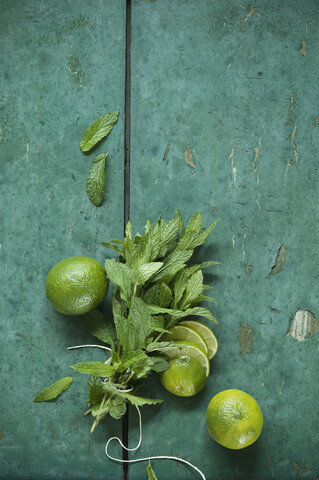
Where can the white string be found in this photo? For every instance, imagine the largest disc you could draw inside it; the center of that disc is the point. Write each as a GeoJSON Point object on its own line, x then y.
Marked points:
{"type": "Point", "coordinates": [96, 346]}
{"type": "Point", "coordinates": [177, 459]}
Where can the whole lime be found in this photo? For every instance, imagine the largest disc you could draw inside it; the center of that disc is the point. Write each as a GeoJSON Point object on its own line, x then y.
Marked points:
{"type": "Point", "coordinates": [76, 285]}
{"type": "Point", "coordinates": [234, 419]}
{"type": "Point", "coordinates": [185, 376]}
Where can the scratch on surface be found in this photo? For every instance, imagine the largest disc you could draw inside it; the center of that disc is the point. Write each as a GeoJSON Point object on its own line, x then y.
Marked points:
{"type": "Point", "coordinates": [280, 261]}
{"type": "Point", "coordinates": [166, 153]}
{"type": "Point", "coordinates": [245, 337]}
{"type": "Point", "coordinates": [27, 153]}
{"type": "Point", "coordinates": [258, 198]}
{"type": "Point", "coordinates": [252, 10]}
{"type": "Point", "coordinates": [70, 231]}
{"type": "Point", "coordinates": [292, 143]}
{"type": "Point", "coordinates": [189, 157]}
{"type": "Point", "coordinates": [303, 324]}
{"type": "Point", "coordinates": [271, 467]}
{"type": "Point", "coordinates": [233, 240]}
{"type": "Point", "coordinates": [256, 156]}
{"type": "Point", "coordinates": [234, 169]}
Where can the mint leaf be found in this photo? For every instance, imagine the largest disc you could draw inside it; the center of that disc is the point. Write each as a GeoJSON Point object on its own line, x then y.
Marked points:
{"type": "Point", "coordinates": [95, 389]}
{"type": "Point", "coordinates": [129, 358]}
{"type": "Point", "coordinates": [140, 319]}
{"type": "Point", "coordinates": [161, 347]}
{"type": "Point", "coordinates": [98, 325]}
{"type": "Point", "coordinates": [172, 264]}
{"type": "Point", "coordinates": [53, 390]}
{"type": "Point", "coordinates": [150, 474]}
{"type": "Point", "coordinates": [193, 288]}
{"type": "Point", "coordinates": [144, 272]}
{"type": "Point", "coordinates": [159, 364]}
{"type": "Point", "coordinates": [159, 294]}
{"type": "Point", "coordinates": [98, 130]}
{"type": "Point", "coordinates": [139, 401]}
{"type": "Point", "coordinates": [142, 366]}
{"type": "Point", "coordinates": [180, 222]}
{"type": "Point", "coordinates": [120, 276]}
{"type": "Point", "coordinates": [113, 247]}
{"type": "Point", "coordinates": [201, 312]}
{"type": "Point", "coordinates": [98, 369]}
{"type": "Point", "coordinates": [95, 183]}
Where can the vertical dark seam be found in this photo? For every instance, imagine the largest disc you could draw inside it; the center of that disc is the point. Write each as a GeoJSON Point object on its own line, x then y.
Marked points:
{"type": "Point", "coordinates": [127, 145]}
{"type": "Point", "coordinates": [127, 127]}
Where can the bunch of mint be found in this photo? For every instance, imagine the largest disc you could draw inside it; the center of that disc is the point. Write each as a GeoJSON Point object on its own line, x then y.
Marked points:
{"type": "Point", "coordinates": [154, 288]}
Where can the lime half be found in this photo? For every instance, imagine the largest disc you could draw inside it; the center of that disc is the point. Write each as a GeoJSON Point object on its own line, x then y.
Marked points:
{"type": "Point", "coordinates": [206, 333]}
{"type": "Point", "coordinates": [192, 350]}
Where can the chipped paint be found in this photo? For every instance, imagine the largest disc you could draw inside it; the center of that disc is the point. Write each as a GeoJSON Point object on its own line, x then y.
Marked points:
{"type": "Point", "coordinates": [248, 269]}
{"type": "Point", "coordinates": [245, 337]}
{"type": "Point", "coordinates": [299, 468]}
{"type": "Point", "coordinates": [189, 157]}
{"type": "Point", "coordinates": [1, 435]}
{"type": "Point", "coordinates": [234, 169]}
{"type": "Point", "coordinates": [303, 48]}
{"type": "Point", "coordinates": [316, 122]}
{"type": "Point", "coordinates": [280, 261]}
{"type": "Point", "coordinates": [252, 10]}
{"type": "Point", "coordinates": [76, 70]}
{"type": "Point", "coordinates": [303, 325]}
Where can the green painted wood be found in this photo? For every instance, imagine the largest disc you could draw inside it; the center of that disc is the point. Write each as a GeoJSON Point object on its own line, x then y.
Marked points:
{"type": "Point", "coordinates": [62, 66]}
{"type": "Point", "coordinates": [238, 84]}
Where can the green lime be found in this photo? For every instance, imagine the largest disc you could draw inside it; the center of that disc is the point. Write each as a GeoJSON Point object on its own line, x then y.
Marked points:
{"type": "Point", "coordinates": [234, 419]}
{"type": "Point", "coordinates": [192, 350]}
{"type": "Point", "coordinates": [185, 376]}
{"type": "Point", "coordinates": [206, 333]}
{"type": "Point", "coordinates": [76, 285]}
{"type": "Point", "coordinates": [180, 332]}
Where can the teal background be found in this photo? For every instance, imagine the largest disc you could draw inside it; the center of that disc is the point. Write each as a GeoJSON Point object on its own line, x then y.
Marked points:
{"type": "Point", "coordinates": [229, 79]}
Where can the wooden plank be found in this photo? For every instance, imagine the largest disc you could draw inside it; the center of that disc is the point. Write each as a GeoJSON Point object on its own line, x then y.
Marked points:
{"type": "Point", "coordinates": [224, 108]}
{"type": "Point", "coordinates": [62, 66]}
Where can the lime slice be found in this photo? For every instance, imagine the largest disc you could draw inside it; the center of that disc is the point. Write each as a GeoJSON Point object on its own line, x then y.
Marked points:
{"type": "Point", "coordinates": [192, 350]}
{"type": "Point", "coordinates": [206, 333]}
{"type": "Point", "coordinates": [181, 332]}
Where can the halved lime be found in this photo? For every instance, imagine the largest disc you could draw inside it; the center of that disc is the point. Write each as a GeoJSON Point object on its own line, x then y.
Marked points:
{"type": "Point", "coordinates": [185, 377]}
{"type": "Point", "coordinates": [192, 350]}
{"type": "Point", "coordinates": [181, 332]}
{"type": "Point", "coordinates": [206, 333]}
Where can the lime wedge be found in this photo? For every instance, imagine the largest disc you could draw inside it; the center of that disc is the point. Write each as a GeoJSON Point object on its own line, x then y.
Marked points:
{"type": "Point", "coordinates": [206, 333]}
{"type": "Point", "coordinates": [192, 350]}
{"type": "Point", "coordinates": [182, 332]}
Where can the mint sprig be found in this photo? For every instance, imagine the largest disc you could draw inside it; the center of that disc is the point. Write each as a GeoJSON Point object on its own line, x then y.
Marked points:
{"type": "Point", "coordinates": [154, 288]}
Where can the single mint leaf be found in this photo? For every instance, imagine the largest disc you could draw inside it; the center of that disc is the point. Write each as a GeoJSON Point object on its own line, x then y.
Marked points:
{"type": "Point", "coordinates": [194, 268]}
{"type": "Point", "coordinates": [128, 230]}
{"type": "Point", "coordinates": [113, 247]}
{"type": "Point", "coordinates": [159, 364]}
{"type": "Point", "coordinates": [98, 130]}
{"type": "Point", "coordinates": [195, 223]}
{"type": "Point", "coordinates": [142, 366]}
{"type": "Point", "coordinates": [161, 347]}
{"type": "Point", "coordinates": [95, 389]}
{"type": "Point", "coordinates": [125, 332]}
{"type": "Point", "coordinates": [98, 369]}
{"type": "Point", "coordinates": [150, 474]}
{"type": "Point", "coordinates": [144, 272]}
{"type": "Point", "coordinates": [140, 318]}
{"type": "Point", "coordinates": [172, 264]}
{"type": "Point", "coordinates": [100, 411]}
{"type": "Point", "coordinates": [168, 237]}
{"type": "Point", "coordinates": [120, 276]}
{"type": "Point", "coordinates": [193, 288]}
{"type": "Point", "coordinates": [129, 358]}
{"type": "Point", "coordinates": [180, 222]}
{"type": "Point", "coordinates": [95, 183]}
{"type": "Point", "coordinates": [98, 325]}
{"type": "Point", "coordinates": [159, 294]}
{"type": "Point", "coordinates": [139, 401]}
{"type": "Point", "coordinates": [53, 390]}
{"type": "Point", "coordinates": [117, 406]}
{"type": "Point", "coordinates": [201, 312]}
